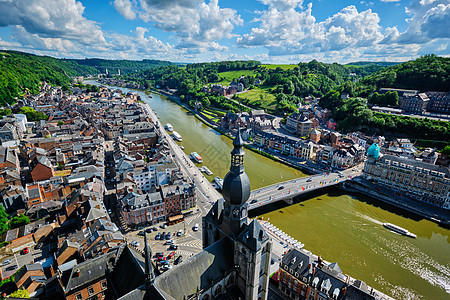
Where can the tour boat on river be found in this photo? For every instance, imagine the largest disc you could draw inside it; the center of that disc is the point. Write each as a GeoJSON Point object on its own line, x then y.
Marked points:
{"type": "Point", "coordinates": [176, 136]}
{"type": "Point", "coordinates": [219, 182]}
{"type": "Point", "coordinates": [399, 230]}
{"type": "Point", "coordinates": [168, 127]}
{"type": "Point", "coordinates": [197, 158]}
{"type": "Point", "coordinates": [206, 170]}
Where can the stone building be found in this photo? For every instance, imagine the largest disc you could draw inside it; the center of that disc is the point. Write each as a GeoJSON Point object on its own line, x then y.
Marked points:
{"type": "Point", "coordinates": [235, 260]}
{"type": "Point", "coordinates": [416, 179]}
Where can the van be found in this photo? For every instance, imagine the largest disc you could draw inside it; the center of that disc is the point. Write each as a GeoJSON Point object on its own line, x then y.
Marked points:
{"type": "Point", "coordinates": [195, 227]}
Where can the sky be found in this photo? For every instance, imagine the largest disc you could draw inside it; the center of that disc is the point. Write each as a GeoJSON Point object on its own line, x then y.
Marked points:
{"type": "Point", "coordinates": [271, 31]}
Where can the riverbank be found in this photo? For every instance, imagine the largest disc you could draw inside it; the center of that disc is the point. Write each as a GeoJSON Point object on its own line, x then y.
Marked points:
{"type": "Point", "coordinates": [430, 212]}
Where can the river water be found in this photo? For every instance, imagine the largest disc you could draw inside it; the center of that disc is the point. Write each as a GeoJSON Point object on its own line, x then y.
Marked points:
{"type": "Point", "coordinates": [340, 227]}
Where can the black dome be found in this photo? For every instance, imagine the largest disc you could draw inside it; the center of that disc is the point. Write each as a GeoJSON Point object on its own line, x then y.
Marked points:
{"type": "Point", "coordinates": [236, 188]}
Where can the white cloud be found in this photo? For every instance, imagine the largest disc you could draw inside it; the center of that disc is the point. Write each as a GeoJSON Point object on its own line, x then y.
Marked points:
{"type": "Point", "coordinates": [196, 24]}
{"type": "Point", "coordinates": [392, 0]}
{"type": "Point", "coordinates": [430, 19]}
{"type": "Point", "coordinates": [296, 31]}
{"type": "Point", "coordinates": [51, 19]}
{"type": "Point", "coordinates": [126, 8]}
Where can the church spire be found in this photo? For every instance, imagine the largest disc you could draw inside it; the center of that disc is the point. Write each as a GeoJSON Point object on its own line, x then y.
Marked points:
{"type": "Point", "coordinates": [237, 154]}
{"type": "Point", "coordinates": [149, 275]}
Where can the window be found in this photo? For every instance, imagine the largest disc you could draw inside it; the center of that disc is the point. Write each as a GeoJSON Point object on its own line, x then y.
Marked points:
{"type": "Point", "coordinates": [78, 296]}
{"type": "Point", "coordinates": [91, 290]}
{"type": "Point", "coordinates": [104, 285]}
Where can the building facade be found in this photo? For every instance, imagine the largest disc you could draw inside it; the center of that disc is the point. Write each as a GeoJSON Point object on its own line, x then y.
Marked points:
{"type": "Point", "coordinates": [416, 179]}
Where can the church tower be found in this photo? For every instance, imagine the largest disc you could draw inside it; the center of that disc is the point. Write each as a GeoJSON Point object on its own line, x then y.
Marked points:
{"type": "Point", "coordinates": [228, 219]}
{"type": "Point", "coordinates": [149, 274]}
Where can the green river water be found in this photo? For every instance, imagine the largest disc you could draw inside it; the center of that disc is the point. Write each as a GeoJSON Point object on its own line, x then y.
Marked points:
{"type": "Point", "coordinates": [340, 227]}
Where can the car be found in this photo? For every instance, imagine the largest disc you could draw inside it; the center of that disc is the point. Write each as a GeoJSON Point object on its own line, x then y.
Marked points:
{"type": "Point", "coordinates": [6, 262]}
{"type": "Point", "coordinates": [10, 268]}
{"type": "Point", "coordinates": [158, 236]}
{"type": "Point", "coordinates": [253, 201]}
{"type": "Point", "coordinates": [171, 254]}
{"type": "Point", "coordinates": [168, 236]}
{"type": "Point", "coordinates": [168, 242]}
{"type": "Point", "coordinates": [160, 259]}
{"type": "Point", "coordinates": [281, 187]}
{"type": "Point", "coordinates": [159, 254]}
{"type": "Point", "coordinates": [141, 233]}
{"type": "Point", "coordinates": [25, 250]}
{"type": "Point", "coordinates": [135, 244]}
{"type": "Point", "coordinates": [173, 247]}
{"type": "Point", "coordinates": [178, 260]}
{"type": "Point", "coordinates": [309, 180]}
{"type": "Point", "coordinates": [195, 228]}
{"type": "Point", "coordinates": [272, 261]}
{"type": "Point", "coordinates": [109, 211]}
{"type": "Point", "coordinates": [155, 228]}
{"type": "Point", "coordinates": [180, 232]}
{"type": "Point", "coordinates": [38, 246]}
{"type": "Point", "coordinates": [163, 226]}
{"type": "Point", "coordinates": [148, 230]}
{"type": "Point", "coordinates": [164, 261]}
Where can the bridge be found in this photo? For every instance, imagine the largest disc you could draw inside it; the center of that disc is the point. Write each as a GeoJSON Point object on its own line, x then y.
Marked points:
{"type": "Point", "coordinates": [287, 190]}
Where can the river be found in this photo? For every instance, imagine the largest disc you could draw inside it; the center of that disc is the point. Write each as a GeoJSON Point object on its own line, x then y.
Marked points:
{"type": "Point", "coordinates": [340, 227]}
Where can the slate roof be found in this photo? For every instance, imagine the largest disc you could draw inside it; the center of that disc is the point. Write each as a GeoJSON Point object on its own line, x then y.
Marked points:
{"type": "Point", "coordinates": [90, 270]}
{"type": "Point", "coordinates": [207, 266]}
{"type": "Point", "coordinates": [253, 236]}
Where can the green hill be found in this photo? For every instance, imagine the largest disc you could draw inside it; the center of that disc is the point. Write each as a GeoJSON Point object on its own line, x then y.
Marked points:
{"type": "Point", "coordinates": [22, 72]}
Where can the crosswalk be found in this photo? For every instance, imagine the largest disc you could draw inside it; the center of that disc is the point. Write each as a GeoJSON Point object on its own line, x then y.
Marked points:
{"type": "Point", "coordinates": [194, 244]}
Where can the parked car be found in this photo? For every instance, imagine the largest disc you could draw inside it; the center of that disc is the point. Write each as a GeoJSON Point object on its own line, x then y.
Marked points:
{"type": "Point", "coordinates": [155, 228]}
{"type": "Point", "coordinates": [195, 228]}
{"type": "Point", "coordinates": [148, 230]}
{"type": "Point", "coordinates": [25, 250]}
{"type": "Point", "coordinates": [158, 236]}
{"type": "Point", "coordinates": [171, 254]}
{"type": "Point", "coordinates": [178, 260]}
{"type": "Point", "coordinates": [141, 233]}
{"type": "Point", "coordinates": [168, 242]}
{"type": "Point", "coordinates": [173, 247]}
{"type": "Point", "coordinates": [163, 226]}
{"type": "Point", "coordinates": [159, 254]}
{"type": "Point", "coordinates": [168, 236]}
{"type": "Point", "coordinates": [10, 268]}
{"type": "Point", "coordinates": [6, 262]}
{"type": "Point", "coordinates": [309, 180]}
{"type": "Point", "coordinates": [281, 187]}
{"type": "Point", "coordinates": [135, 244]}
{"type": "Point", "coordinates": [180, 232]}
{"type": "Point", "coordinates": [253, 201]}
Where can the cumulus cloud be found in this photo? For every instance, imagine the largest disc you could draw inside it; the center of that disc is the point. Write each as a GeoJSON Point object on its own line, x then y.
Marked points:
{"type": "Point", "coordinates": [430, 19]}
{"type": "Point", "coordinates": [126, 8]}
{"type": "Point", "coordinates": [51, 19]}
{"type": "Point", "coordinates": [195, 23]}
{"type": "Point", "coordinates": [288, 30]}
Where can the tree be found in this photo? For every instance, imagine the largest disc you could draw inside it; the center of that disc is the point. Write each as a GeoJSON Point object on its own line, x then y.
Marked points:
{"type": "Point", "coordinates": [18, 221]}
{"type": "Point", "coordinates": [20, 294]}
{"type": "Point", "coordinates": [60, 123]}
{"type": "Point", "coordinates": [3, 219]}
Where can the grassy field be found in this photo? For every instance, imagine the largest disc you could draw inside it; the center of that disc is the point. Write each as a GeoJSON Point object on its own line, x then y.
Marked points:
{"type": "Point", "coordinates": [284, 67]}
{"type": "Point", "coordinates": [227, 77]}
{"type": "Point", "coordinates": [260, 97]}
{"type": "Point", "coordinates": [212, 114]}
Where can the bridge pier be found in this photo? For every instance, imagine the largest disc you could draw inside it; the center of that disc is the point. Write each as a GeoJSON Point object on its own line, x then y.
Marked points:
{"type": "Point", "coordinates": [289, 201]}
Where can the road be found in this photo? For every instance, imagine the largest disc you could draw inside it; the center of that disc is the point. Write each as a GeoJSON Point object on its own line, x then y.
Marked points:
{"type": "Point", "coordinates": [204, 187]}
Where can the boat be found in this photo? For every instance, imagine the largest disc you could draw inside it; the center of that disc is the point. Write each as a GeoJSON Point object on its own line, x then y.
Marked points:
{"type": "Point", "coordinates": [219, 182]}
{"type": "Point", "coordinates": [182, 147]}
{"type": "Point", "coordinates": [206, 170]}
{"type": "Point", "coordinates": [176, 136]}
{"type": "Point", "coordinates": [168, 127]}
{"type": "Point", "coordinates": [399, 230]}
{"type": "Point", "coordinates": [197, 158]}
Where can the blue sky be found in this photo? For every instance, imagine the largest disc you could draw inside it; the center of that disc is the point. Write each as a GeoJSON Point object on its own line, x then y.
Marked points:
{"type": "Point", "coordinates": [272, 31]}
